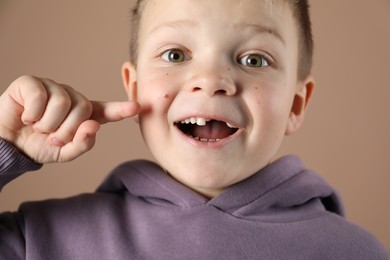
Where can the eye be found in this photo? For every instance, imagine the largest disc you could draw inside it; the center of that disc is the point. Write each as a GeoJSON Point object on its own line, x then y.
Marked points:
{"type": "Point", "coordinates": [174, 55]}
{"type": "Point", "coordinates": [254, 60]}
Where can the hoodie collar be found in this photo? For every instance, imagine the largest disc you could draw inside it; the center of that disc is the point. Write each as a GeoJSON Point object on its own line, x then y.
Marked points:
{"type": "Point", "coordinates": [282, 186]}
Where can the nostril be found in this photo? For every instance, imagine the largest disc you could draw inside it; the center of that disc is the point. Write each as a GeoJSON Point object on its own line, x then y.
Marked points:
{"type": "Point", "coordinates": [213, 85]}
{"type": "Point", "coordinates": [216, 92]}
{"type": "Point", "coordinates": [221, 91]}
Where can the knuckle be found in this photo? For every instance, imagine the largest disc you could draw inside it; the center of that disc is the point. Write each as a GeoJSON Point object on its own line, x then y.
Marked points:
{"type": "Point", "coordinates": [38, 95]}
{"type": "Point", "coordinates": [29, 79]}
{"type": "Point", "coordinates": [85, 107]}
{"type": "Point", "coordinates": [80, 103]}
{"type": "Point", "coordinates": [32, 86]}
{"type": "Point", "coordinates": [26, 78]}
{"type": "Point", "coordinates": [62, 101]}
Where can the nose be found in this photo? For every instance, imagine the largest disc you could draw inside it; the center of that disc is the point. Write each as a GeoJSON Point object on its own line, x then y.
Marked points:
{"type": "Point", "coordinates": [213, 80]}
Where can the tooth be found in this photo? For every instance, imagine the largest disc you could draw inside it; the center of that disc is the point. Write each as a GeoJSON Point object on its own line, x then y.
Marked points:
{"type": "Point", "coordinates": [187, 121]}
{"type": "Point", "coordinates": [193, 120]}
{"type": "Point", "coordinates": [201, 121]}
{"type": "Point", "coordinates": [203, 139]}
{"type": "Point", "coordinates": [229, 125]}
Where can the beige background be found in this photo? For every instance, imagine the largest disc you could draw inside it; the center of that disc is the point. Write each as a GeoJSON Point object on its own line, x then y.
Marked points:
{"type": "Point", "coordinates": [345, 137]}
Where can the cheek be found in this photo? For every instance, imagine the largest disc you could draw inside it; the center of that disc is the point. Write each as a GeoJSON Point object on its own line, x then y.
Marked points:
{"type": "Point", "coordinates": [155, 93]}
{"type": "Point", "coordinates": [269, 105]}
{"type": "Point", "coordinates": [263, 99]}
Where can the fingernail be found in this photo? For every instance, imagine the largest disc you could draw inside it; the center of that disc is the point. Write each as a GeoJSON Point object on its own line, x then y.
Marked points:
{"type": "Point", "coordinates": [56, 142]}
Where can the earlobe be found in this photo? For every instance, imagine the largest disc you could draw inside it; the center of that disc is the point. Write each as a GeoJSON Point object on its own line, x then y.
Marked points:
{"type": "Point", "coordinates": [300, 103]}
{"type": "Point", "coordinates": [129, 78]}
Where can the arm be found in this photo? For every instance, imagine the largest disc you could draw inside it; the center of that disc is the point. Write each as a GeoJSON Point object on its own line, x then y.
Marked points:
{"type": "Point", "coordinates": [13, 163]}
{"type": "Point", "coordinates": [41, 122]}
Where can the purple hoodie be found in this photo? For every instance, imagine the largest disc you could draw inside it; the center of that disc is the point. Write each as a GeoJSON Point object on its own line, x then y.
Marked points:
{"type": "Point", "coordinates": [139, 212]}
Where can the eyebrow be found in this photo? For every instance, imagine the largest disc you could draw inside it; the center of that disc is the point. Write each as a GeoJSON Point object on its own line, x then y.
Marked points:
{"type": "Point", "coordinates": [260, 29]}
{"type": "Point", "coordinates": [175, 25]}
{"type": "Point", "coordinates": [256, 28]}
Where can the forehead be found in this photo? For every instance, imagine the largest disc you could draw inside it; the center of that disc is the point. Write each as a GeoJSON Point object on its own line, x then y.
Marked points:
{"type": "Point", "coordinates": [273, 14]}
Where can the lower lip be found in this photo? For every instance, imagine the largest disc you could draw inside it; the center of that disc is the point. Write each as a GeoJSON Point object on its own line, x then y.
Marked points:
{"type": "Point", "coordinates": [216, 144]}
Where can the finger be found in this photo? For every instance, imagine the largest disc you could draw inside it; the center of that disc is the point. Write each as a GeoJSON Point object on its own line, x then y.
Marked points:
{"type": "Point", "coordinates": [82, 142]}
{"type": "Point", "coordinates": [57, 107]}
{"type": "Point", "coordinates": [31, 94]}
{"type": "Point", "coordinates": [104, 112]}
{"type": "Point", "coordinates": [80, 111]}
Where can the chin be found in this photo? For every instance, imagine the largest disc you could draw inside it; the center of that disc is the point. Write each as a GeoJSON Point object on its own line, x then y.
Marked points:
{"type": "Point", "coordinates": [205, 178]}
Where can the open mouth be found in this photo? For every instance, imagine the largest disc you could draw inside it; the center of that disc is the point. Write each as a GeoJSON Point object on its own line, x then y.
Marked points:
{"type": "Point", "coordinates": [206, 130]}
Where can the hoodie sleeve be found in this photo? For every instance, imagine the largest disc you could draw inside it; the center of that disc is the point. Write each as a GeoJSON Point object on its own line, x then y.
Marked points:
{"type": "Point", "coordinates": [13, 163]}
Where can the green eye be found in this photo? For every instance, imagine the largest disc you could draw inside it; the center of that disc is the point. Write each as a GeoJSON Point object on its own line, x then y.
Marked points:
{"type": "Point", "coordinates": [174, 55]}
{"type": "Point", "coordinates": [254, 60]}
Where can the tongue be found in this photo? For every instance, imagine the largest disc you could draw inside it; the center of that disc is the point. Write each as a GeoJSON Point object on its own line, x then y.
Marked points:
{"type": "Point", "coordinates": [212, 130]}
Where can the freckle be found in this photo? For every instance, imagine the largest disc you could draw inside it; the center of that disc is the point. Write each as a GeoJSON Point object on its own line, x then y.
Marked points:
{"type": "Point", "coordinates": [256, 88]}
{"type": "Point", "coordinates": [166, 96]}
{"type": "Point", "coordinates": [167, 74]}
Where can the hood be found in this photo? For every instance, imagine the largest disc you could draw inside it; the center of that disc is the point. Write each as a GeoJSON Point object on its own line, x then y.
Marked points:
{"type": "Point", "coordinates": [282, 191]}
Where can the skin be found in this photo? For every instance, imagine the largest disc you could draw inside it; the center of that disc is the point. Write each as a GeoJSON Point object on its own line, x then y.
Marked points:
{"type": "Point", "coordinates": [215, 81]}
{"type": "Point", "coordinates": [52, 122]}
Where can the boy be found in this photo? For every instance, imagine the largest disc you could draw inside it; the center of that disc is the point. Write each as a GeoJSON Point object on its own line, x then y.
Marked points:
{"type": "Point", "coordinates": [216, 85]}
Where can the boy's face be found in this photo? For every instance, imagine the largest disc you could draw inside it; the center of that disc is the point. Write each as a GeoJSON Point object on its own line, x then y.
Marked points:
{"type": "Point", "coordinates": [231, 65]}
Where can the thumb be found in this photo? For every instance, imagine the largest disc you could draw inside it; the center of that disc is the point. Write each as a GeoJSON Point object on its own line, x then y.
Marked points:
{"type": "Point", "coordinates": [105, 112]}
{"type": "Point", "coordinates": [82, 142]}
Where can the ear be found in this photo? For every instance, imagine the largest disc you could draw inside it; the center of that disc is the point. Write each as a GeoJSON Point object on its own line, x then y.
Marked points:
{"type": "Point", "coordinates": [129, 78]}
{"type": "Point", "coordinates": [301, 100]}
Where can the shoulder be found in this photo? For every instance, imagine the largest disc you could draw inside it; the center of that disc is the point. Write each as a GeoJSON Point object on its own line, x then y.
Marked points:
{"type": "Point", "coordinates": [76, 207]}
{"type": "Point", "coordinates": [74, 219]}
{"type": "Point", "coordinates": [346, 240]}
{"type": "Point", "coordinates": [111, 196]}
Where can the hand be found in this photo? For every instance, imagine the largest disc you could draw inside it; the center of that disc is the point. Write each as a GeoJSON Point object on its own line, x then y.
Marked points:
{"type": "Point", "coordinates": [52, 122]}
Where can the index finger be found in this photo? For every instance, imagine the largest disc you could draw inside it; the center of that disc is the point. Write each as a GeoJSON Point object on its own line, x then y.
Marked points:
{"type": "Point", "coordinates": [104, 112]}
